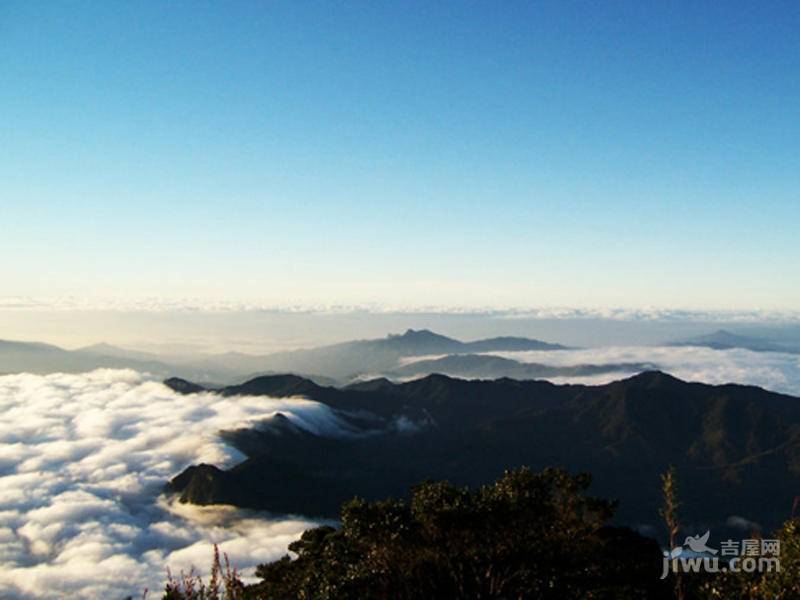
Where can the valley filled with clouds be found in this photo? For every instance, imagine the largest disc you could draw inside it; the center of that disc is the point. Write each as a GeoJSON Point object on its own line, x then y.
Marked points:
{"type": "Point", "coordinates": [83, 459]}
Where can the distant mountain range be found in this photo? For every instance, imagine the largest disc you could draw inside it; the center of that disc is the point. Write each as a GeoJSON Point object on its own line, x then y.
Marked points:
{"type": "Point", "coordinates": [725, 340]}
{"type": "Point", "coordinates": [349, 359]}
{"type": "Point", "coordinates": [327, 364]}
{"type": "Point", "coordinates": [736, 448]}
{"type": "Point", "coordinates": [415, 353]}
{"type": "Point", "coordinates": [34, 357]}
{"type": "Point", "coordinates": [487, 366]}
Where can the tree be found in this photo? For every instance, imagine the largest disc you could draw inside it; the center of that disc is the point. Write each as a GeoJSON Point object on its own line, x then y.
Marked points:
{"type": "Point", "coordinates": [782, 584]}
{"type": "Point", "coordinates": [526, 535]}
{"type": "Point", "coordinates": [669, 512]}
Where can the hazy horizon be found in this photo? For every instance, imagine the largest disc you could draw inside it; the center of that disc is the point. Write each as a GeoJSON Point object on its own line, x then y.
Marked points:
{"type": "Point", "coordinates": [172, 331]}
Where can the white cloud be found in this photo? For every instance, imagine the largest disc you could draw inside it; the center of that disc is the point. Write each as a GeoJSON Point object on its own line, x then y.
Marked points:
{"type": "Point", "coordinates": [774, 371]}
{"type": "Point", "coordinates": [83, 458]}
{"type": "Point", "coordinates": [206, 305]}
{"type": "Point", "coordinates": [82, 461]}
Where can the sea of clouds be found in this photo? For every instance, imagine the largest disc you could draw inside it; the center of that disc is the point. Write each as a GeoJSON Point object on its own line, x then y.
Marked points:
{"type": "Point", "coordinates": [774, 371]}
{"type": "Point", "coordinates": [83, 459]}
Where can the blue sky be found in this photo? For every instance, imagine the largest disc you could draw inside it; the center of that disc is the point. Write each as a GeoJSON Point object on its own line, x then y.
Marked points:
{"type": "Point", "coordinates": [473, 154]}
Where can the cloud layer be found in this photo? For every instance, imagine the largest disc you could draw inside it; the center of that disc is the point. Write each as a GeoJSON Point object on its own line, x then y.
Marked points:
{"type": "Point", "coordinates": [83, 458]}
{"type": "Point", "coordinates": [82, 462]}
{"type": "Point", "coordinates": [157, 304]}
{"type": "Point", "coordinates": [774, 371]}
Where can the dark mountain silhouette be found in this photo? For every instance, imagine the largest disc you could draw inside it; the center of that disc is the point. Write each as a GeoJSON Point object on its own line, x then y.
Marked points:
{"type": "Point", "coordinates": [276, 385]}
{"type": "Point", "coordinates": [182, 386]}
{"type": "Point", "coordinates": [725, 340]}
{"type": "Point", "coordinates": [318, 379]}
{"type": "Point", "coordinates": [736, 448]}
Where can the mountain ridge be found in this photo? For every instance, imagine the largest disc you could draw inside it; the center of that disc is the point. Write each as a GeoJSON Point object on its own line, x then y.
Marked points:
{"type": "Point", "coordinates": [346, 360]}
{"type": "Point", "coordinates": [487, 366]}
{"type": "Point", "coordinates": [335, 363]}
{"type": "Point", "coordinates": [727, 441]}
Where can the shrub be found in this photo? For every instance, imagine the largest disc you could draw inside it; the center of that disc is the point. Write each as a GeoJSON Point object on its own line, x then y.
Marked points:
{"type": "Point", "coordinates": [223, 584]}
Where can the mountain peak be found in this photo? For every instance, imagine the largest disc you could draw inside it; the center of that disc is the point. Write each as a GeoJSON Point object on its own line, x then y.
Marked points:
{"type": "Point", "coordinates": [419, 335]}
{"type": "Point", "coordinates": [419, 341]}
{"type": "Point", "coordinates": [99, 347]}
{"type": "Point", "coordinates": [653, 377]}
{"type": "Point", "coordinates": [182, 386]}
{"type": "Point", "coordinates": [280, 386]}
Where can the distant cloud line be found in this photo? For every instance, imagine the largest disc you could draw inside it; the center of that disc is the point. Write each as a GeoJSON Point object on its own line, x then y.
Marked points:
{"type": "Point", "coordinates": [223, 306]}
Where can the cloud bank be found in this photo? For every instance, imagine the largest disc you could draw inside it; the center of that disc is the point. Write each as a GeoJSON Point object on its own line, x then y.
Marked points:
{"type": "Point", "coordinates": [206, 305]}
{"type": "Point", "coordinates": [773, 371]}
{"type": "Point", "coordinates": [82, 461]}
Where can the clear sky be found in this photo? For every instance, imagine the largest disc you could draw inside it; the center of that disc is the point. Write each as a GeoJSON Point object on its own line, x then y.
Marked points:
{"type": "Point", "coordinates": [492, 154]}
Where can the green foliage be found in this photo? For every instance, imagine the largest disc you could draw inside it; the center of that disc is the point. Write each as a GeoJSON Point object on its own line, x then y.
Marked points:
{"type": "Point", "coordinates": [527, 535]}
{"type": "Point", "coordinates": [776, 585]}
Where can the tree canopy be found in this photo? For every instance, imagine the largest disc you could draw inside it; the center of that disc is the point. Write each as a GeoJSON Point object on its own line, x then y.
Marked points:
{"type": "Point", "coordinates": [526, 535]}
